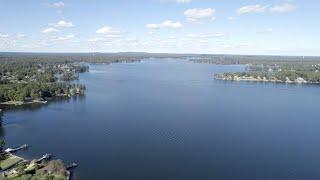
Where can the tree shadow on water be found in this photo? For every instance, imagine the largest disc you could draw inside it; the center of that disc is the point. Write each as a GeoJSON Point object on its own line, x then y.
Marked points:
{"type": "Point", "coordinates": [1, 128]}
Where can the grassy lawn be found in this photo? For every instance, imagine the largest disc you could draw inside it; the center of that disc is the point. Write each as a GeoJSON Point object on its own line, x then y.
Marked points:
{"type": "Point", "coordinates": [5, 164]}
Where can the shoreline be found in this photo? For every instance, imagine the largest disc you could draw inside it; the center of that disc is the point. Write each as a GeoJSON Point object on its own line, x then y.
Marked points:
{"type": "Point", "coordinates": [19, 103]}
{"type": "Point", "coordinates": [34, 168]}
{"type": "Point", "coordinates": [224, 77]}
{"type": "Point", "coordinates": [39, 101]}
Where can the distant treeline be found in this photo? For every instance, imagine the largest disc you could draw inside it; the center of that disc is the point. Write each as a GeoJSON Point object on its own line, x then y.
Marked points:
{"type": "Point", "coordinates": [25, 76]}
{"type": "Point", "coordinates": [84, 57]}
{"type": "Point", "coordinates": [279, 68]}
{"type": "Point", "coordinates": [41, 75]}
{"type": "Point", "coordinates": [255, 59]}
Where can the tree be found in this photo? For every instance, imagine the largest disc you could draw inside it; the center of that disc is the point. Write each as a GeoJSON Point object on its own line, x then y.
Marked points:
{"type": "Point", "coordinates": [2, 154]}
{"type": "Point", "coordinates": [1, 144]}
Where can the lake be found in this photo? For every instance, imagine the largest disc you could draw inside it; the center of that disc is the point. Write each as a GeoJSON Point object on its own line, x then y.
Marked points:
{"type": "Point", "coordinates": [169, 119]}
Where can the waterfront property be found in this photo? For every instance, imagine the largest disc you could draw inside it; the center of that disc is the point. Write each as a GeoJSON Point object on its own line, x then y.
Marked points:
{"type": "Point", "coordinates": [10, 161]}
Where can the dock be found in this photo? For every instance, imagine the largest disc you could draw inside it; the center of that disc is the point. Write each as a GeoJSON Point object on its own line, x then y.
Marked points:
{"type": "Point", "coordinates": [72, 166]}
{"type": "Point", "coordinates": [69, 169]}
{"type": "Point", "coordinates": [12, 150]}
{"type": "Point", "coordinates": [44, 157]}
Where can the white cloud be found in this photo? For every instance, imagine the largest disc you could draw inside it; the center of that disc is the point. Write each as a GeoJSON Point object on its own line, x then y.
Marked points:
{"type": "Point", "coordinates": [206, 36]}
{"type": "Point", "coordinates": [280, 8]}
{"type": "Point", "coordinates": [220, 34]}
{"type": "Point", "coordinates": [151, 33]}
{"type": "Point", "coordinates": [198, 14]}
{"type": "Point", "coordinates": [251, 9]}
{"type": "Point", "coordinates": [21, 35]}
{"type": "Point", "coordinates": [202, 39]}
{"type": "Point", "coordinates": [245, 45]}
{"type": "Point", "coordinates": [59, 4]}
{"type": "Point", "coordinates": [63, 24]}
{"type": "Point", "coordinates": [96, 39]}
{"type": "Point", "coordinates": [265, 31]}
{"type": "Point", "coordinates": [108, 31]}
{"type": "Point", "coordinates": [165, 24]}
{"type": "Point", "coordinates": [283, 8]}
{"type": "Point", "coordinates": [114, 36]}
{"type": "Point", "coordinates": [4, 35]}
{"type": "Point", "coordinates": [232, 18]}
{"type": "Point", "coordinates": [49, 30]}
{"type": "Point", "coordinates": [108, 34]}
{"type": "Point", "coordinates": [131, 41]}
{"type": "Point", "coordinates": [63, 38]}
{"type": "Point", "coordinates": [183, 1]}
{"type": "Point", "coordinates": [30, 46]}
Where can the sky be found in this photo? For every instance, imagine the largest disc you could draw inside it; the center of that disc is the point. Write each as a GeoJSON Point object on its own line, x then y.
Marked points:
{"type": "Point", "coordinates": [261, 27]}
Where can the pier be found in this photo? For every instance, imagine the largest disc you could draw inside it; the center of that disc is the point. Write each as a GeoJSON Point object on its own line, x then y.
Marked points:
{"type": "Point", "coordinates": [72, 166]}
{"type": "Point", "coordinates": [44, 157]}
{"type": "Point", "coordinates": [12, 150]}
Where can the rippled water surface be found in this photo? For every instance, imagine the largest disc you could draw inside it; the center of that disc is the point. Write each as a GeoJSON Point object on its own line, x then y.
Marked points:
{"type": "Point", "coordinates": [170, 120]}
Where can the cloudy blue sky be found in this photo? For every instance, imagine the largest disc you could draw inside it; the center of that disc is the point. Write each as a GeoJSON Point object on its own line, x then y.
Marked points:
{"type": "Point", "coordinates": [281, 27]}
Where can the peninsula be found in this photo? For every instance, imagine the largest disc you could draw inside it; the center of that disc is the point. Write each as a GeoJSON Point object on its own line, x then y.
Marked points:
{"type": "Point", "coordinates": [275, 69]}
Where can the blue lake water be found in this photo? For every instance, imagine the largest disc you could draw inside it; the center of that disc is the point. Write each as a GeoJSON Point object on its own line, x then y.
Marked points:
{"type": "Point", "coordinates": [169, 119]}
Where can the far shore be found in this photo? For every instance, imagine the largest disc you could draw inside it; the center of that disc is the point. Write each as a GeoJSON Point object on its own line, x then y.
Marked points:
{"type": "Point", "coordinates": [259, 79]}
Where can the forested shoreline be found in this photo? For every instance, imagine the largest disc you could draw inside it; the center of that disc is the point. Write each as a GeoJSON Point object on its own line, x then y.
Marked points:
{"type": "Point", "coordinates": [38, 76]}
{"type": "Point", "coordinates": [281, 69]}
{"type": "Point", "coordinates": [32, 80]}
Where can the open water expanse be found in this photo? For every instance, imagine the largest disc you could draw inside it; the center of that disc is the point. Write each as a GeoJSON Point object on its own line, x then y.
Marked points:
{"type": "Point", "coordinates": [170, 120]}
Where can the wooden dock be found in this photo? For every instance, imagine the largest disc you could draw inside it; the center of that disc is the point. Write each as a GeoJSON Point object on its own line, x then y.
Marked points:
{"type": "Point", "coordinates": [13, 150]}
{"type": "Point", "coordinates": [44, 157]}
{"type": "Point", "coordinates": [72, 166]}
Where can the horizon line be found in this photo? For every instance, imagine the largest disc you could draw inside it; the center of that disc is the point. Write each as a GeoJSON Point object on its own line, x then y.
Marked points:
{"type": "Point", "coordinates": [101, 52]}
